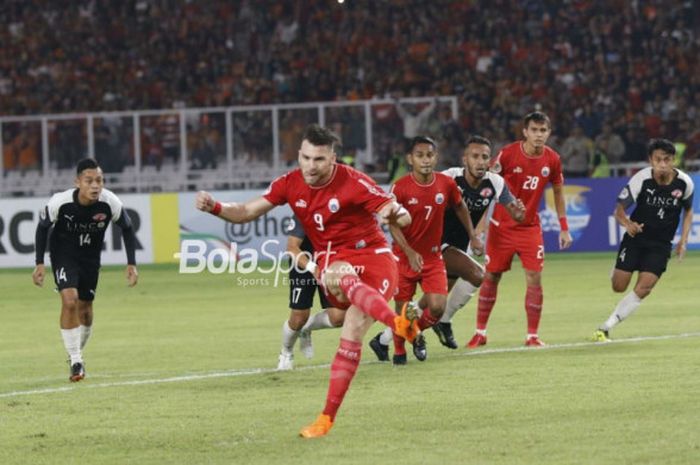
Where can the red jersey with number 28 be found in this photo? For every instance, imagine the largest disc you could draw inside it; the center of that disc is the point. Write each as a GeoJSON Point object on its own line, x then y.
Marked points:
{"type": "Point", "coordinates": [427, 204]}
{"type": "Point", "coordinates": [338, 215]}
{"type": "Point", "coordinates": [527, 177]}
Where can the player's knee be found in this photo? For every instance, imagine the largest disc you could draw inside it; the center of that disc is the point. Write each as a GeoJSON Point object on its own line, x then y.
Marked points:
{"type": "Point", "coordinates": [642, 291]}
{"type": "Point", "coordinates": [618, 286]}
{"type": "Point", "coordinates": [298, 319]}
{"type": "Point", "coordinates": [70, 303]}
{"type": "Point", "coordinates": [336, 318]}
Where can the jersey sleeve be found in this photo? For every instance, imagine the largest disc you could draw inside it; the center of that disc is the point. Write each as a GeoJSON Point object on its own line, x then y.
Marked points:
{"type": "Point", "coordinates": [115, 204]}
{"type": "Point", "coordinates": [295, 228]}
{"type": "Point", "coordinates": [628, 194]}
{"type": "Point", "coordinates": [370, 194]}
{"type": "Point", "coordinates": [453, 172]}
{"type": "Point", "coordinates": [687, 199]}
{"type": "Point", "coordinates": [496, 163]}
{"type": "Point", "coordinates": [453, 194]}
{"type": "Point", "coordinates": [276, 193]}
{"type": "Point", "coordinates": [503, 194]}
{"type": "Point", "coordinates": [556, 177]}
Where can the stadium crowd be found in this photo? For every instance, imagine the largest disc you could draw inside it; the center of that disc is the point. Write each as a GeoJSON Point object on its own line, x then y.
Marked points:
{"type": "Point", "coordinates": [611, 74]}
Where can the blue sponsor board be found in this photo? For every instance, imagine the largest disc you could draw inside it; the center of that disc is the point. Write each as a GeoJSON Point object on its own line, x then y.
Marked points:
{"type": "Point", "coordinates": [590, 204]}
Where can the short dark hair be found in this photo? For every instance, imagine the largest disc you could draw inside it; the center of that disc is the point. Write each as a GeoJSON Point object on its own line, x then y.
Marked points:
{"type": "Point", "coordinates": [537, 117]}
{"type": "Point", "coordinates": [661, 144]}
{"type": "Point", "coordinates": [86, 164]}
{"type": "Point", "coordinates": [421, 140]}
{"type": "Point", "coordinates": [476, 139]}
{"type": "Point", "coordinates": [320, 136]}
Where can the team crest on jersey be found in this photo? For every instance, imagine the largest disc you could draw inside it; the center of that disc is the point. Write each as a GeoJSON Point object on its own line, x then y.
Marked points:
{"type": "Point", "coordinates": [486, 192]}
{"type": "Point", "coordinates": [333, 205]}
{"type": "Point", "coordinates": [439, 198]}
{"type": "Point", "coordinates": [545, 171]}
{"type": "Point", "coordinates": [99, 217]}
{"type": "Point", "coordinates": [676, 194]}
{"type": "Point", "coordinates": [301, 203]}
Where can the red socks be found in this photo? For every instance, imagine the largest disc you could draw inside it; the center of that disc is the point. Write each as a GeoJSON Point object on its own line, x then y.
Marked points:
{"type": "Point", "coordinates": [533, 308]}
{"type": "Point", "coordinates": [367, 299]}
{"type": "Point", "coordinates": [427, 319]}
{"type": "Point", "coordinates": [487, 299]}
{"type": "Point", "coordinates": [343, 369]}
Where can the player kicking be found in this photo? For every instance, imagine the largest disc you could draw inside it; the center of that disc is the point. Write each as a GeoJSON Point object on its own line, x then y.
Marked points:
{"type": "Point", "coordinates": [480, 188]}
{"type": "Point", "coordinates": [527, 167]}
{"type": "Point", "coordinates": [80, 218]}
{"type": "Point", "coordinates": [426, 195]}
{"type": "Point", "coordinates": [336, 205]}
{"type": "Point", "coordinates": [660, 192]}
{"type": "Point", "coordinates": [302, 287]}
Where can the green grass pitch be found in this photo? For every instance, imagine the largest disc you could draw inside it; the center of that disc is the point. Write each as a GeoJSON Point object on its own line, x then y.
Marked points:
{"type": "Point", "coordinates": [180, 370]}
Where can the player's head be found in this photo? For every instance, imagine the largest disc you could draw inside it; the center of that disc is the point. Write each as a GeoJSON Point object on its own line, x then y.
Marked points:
{"type": "Point", "coordinates": [317, 154]}
{"type": "Point", "coordinates": [661, 153]}
{"type": "Point", "coordinates": [422, 155]}
{"type": "Point", "coordinates": [89, 179]}
{"type": "Point", "coordinates": [536, 129]}
{"type": "Point", "coordinates": [476, 156]}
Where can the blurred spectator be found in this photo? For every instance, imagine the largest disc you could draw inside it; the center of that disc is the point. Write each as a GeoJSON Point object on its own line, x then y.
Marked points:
{"type": "Point", "coordinates": [610, 144]}
{"type": "Point", "coordinates": [576, 154]}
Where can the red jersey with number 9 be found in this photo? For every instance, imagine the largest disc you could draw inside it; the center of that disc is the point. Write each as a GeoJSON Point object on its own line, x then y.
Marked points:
{"type": "Point", "coordinates": [338, 215]}
{"type": "Point", "coordinates": [527, 177]}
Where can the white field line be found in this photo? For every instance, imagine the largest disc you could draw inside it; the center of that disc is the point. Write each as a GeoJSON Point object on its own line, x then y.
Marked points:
{"type": "Point", "coordinates": [257, 371]}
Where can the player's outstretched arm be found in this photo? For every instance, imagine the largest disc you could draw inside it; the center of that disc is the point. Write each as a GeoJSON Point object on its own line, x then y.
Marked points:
{"type": "Point", "coordinates": [632, 227]}
{"type": "Point", "coordinates": [233, 212]}
{"type": "Point", "coordinates": [132, 275]}
{"type": "Point", "coordinates": [682, 245]}
{"type": "Point", "coordinates": [475, 242]}
{"type": "Point", "coordinates": [565, 239]}
{"type": "Point", "coordinates": [414, 258]}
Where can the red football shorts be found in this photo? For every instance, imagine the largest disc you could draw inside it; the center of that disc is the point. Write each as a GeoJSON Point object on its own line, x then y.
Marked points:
{"type": "Point", "coordinates": [432, 278]}
{"type": "Point", "coordinates": [377, 270]}
{"type": "Point", "coordinates": [504, 242]}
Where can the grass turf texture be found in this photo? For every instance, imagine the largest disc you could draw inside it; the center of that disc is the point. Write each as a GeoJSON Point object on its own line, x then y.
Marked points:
{"type": "Point", "coordinates": [629, 402]}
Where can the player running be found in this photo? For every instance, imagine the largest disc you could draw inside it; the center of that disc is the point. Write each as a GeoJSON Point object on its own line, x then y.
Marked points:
{"type": "Point", "coordinates": [336, 205]}
{"type": "Point", "coordinates": [426, 195]}
{"type": "Point", "coordinates": [80, 218]}
{"type": "Point", "coordinates": [660, 192]}
{"type": "Point", "coordinates": [527, 167]}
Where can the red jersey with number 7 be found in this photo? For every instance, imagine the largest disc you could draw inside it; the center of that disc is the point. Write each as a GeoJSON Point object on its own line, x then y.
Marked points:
{"type": "Point", "coordinates": [339, 215]}
{"type": "Point", "coordinates": [427, 204]}
{"type": "Point", "coordinates": [527, 177]}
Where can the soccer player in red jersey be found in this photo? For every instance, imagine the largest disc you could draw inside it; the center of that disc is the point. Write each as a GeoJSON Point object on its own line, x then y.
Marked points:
{"type": "Point", "coordinates": [336, 205]}
{"type": "Point", "coordinates": [527, 166]}
{"type": "Point", "coordinates": [426, 195]}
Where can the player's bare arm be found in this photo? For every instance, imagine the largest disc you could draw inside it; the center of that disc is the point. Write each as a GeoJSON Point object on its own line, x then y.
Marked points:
{"type": "Point", "coordinates": [632, 227]}
{"type": "Point", "coordinates": [682, 245]}
{"type": "Point", "coordinates": [414, 258]}
{"type": "Point", "coordinates": [565, 239]}
{"type": "Point", "coordinates": [233, 212]}
{"type": "Point", "coordinates": [301, 259]}
{"type": "Point", "coordinates": [394, 213]}
{"type": "Point", "coordinates": [462, 213]}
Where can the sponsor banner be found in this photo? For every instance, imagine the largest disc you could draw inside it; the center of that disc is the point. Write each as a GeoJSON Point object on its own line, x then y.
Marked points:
{"type": "Point", "coordinates": [590, 204]}
{"type": "Point", "coordinates": [19, 217]}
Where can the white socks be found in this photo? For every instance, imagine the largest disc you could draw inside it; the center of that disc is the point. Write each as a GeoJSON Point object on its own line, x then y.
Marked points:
{"type": "Point", "coordinates": [625, 308]}
{"type": "Point", "coordinates": [289, 337]}
{"type": "Point", "coordinates": [85, 332]}
{"type": "Point", "coordinates": [387, 337]}
{"type": "Point", "coordinates": [320, 320]}
{"type": "Point", "coordinates": [71, 341]}
{"type": "Point", "coordinates": [460, 294]}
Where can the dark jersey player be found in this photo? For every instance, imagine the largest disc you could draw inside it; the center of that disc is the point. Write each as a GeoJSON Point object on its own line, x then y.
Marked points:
{"type": "Point", "coordinates": [660, 193]}
{"type": "Point", "coordinates": [480, 189]}
{"type": "Point", "coordinates": [302, 288]}
{"type": "Point", "coordinates": [80, 217]}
